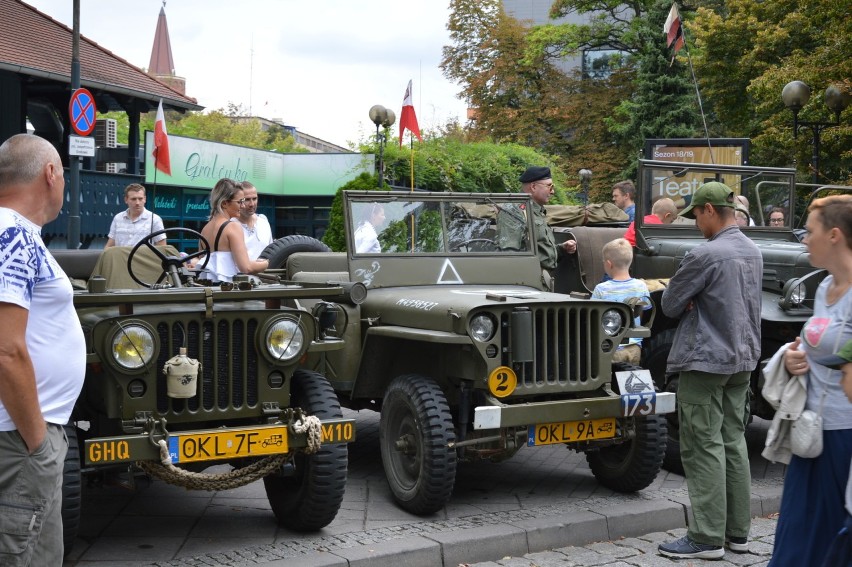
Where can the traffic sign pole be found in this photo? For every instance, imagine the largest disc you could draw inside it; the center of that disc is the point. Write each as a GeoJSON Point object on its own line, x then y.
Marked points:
{"type": "Point", "coordinates": [74, 161]}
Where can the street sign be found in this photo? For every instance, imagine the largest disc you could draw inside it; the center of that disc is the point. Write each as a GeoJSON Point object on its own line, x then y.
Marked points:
{"type": "Point", "coordinates": [78, 146]}
{"type": "Point", "coordinates": [82, 111]}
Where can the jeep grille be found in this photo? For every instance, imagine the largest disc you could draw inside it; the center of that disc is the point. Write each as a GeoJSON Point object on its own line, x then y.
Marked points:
{"type": "Point", "coordinates": [567, 350]}
{"type": "Point", "coordinates": [229, 364]}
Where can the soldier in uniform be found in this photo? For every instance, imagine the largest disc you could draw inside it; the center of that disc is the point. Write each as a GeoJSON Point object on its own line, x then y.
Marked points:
{"type": "Point", "coordinates": [511, 222]}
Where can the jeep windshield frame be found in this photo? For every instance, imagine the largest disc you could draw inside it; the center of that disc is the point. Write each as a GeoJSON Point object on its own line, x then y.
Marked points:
{"type": "Point", "coordinates": [428, 238]}
{"type": "Point", "coordinates": [766, 188]}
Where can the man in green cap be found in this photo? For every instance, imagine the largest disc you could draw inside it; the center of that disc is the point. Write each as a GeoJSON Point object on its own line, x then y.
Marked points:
{"type": "Point", "coordinates": [716, 294]}
{"type": "Point", "coordinates": [511, 222]}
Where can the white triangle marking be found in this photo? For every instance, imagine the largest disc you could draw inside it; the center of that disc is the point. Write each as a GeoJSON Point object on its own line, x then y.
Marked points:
{"type": "Point", "coordinates": [444, 278]}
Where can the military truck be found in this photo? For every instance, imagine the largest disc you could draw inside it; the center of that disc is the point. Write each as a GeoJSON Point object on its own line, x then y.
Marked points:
{"type": "Point", "coordinates": [466, 354]}
{"type": "Point", "coordinates": [182, 374]}
{"type": "Point", "coordinates": [789, 281]}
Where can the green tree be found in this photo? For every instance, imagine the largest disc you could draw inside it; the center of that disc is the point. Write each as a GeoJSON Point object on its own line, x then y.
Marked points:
{"type": "Point", "coordinates": [747, 50]}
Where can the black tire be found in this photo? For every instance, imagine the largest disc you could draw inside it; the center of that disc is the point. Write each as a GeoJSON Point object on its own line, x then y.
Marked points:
{"type": "Point", "coordinates": [632, 465]}
{"type": "Point", "coordinates": [654, 357]}
{"type": "Point", "coordinates": [71, 490]}
{"type": "Point", "coordinates": [279, 250]}
{"type": "Point", "coordinates": [421, 477]}
{"type": "Point", "coordinates": [309, 499]}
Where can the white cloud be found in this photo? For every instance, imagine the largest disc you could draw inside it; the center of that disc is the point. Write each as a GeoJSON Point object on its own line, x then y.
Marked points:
{"type": "Point", "coordinates": [317, 64]}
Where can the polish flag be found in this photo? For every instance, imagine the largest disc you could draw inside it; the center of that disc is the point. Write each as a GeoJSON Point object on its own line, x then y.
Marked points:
{"type": "Point", "coordinates": [674, 29]}
{"type": "Point", "coordinates": [162, 160]}
{"type": "Point", "coordinates": [409, 118]}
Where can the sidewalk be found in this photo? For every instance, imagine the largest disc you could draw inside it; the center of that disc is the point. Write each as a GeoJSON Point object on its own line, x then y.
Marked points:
{"type": "Point", "coordinates": [542, 499]}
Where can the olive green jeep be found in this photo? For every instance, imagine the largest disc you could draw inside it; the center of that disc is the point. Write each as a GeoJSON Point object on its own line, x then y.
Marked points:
{"type": "Point", "coordinates": [182, 375]}
{"type": "Point", "coordinates": [789, 280]}
{"type": "Point", "coordinates": [466, 354]}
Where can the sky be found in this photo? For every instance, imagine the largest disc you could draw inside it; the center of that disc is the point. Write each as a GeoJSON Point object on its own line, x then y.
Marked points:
{"type": "Point", "coordinates": [318, 65]}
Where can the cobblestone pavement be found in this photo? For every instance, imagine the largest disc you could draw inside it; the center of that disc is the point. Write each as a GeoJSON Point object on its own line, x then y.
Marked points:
{"type": "Point", "coordinates": [544, 498]}
{"type": "Point", "coordinates": [642, 552]}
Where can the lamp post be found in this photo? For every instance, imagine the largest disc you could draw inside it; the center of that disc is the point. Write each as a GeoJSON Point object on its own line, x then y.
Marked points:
{"type": "Point", "coordinates": [585, 178]}
{"type": "Point", "coordinates": [796, 95]}
{"type": "Point", "coordinates": [385, 118]}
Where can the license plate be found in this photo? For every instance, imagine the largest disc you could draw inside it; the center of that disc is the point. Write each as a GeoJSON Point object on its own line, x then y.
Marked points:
{"type": "Point", "coordinates": [571, 431]}
{"type": "Point", "coordinates": [227, 444]}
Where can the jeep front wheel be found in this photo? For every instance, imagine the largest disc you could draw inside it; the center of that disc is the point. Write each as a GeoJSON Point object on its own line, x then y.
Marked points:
{"type": "Point", "coordinates": [634, 464]}
{"type": "Point", "coordinates": [310, 497]}
{"type": "Point", "coordinates": [415, 431]}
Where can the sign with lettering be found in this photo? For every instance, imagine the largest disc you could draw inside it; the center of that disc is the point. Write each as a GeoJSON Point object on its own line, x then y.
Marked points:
{"type": "Point", "coordinates": [679, 188]}
{"type": "Point", "coordinates": [200, 164]}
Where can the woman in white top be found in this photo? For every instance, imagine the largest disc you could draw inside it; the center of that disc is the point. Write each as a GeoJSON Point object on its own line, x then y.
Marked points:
{"type": "Point", "coordinates": [366, 238]}
{"type": "Point", "coordinates": [229, 255]}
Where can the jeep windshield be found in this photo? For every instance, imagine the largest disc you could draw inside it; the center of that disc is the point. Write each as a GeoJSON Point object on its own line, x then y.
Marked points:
{"type": "Point", "coordinates": [419, 238]}
{"type": "Point", "coordinates": [766, 195]}
{"type": "Point", "coordinates": [418, 223]}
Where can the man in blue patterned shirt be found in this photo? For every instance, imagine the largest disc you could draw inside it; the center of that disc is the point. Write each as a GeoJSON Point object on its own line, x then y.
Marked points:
{"type": "Point", "coordinates": [42, 355]}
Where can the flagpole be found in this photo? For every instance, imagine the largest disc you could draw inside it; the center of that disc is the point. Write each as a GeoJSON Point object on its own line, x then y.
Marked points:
{"type": "Point", "coordinates": [700, 106]}
{"type": "Point", "coordinates": [411, 142]}
{"type": "Point", "coordinates": [682, 29]}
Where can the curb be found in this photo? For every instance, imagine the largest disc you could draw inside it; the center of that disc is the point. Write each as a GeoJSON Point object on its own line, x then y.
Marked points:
{"type": "Point", "coordinates": [488, 537]}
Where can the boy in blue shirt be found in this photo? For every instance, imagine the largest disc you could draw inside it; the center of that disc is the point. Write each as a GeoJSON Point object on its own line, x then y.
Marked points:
{"type": "Point", "coordinates": [617, 257]}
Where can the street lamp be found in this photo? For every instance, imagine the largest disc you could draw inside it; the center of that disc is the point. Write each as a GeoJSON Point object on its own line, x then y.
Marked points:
{"type": "Point", "coordinates": [796, 95]}
{"type": "Point", "coordinates": [385, 118]}
{"type": "Point", "coordinates": [585, 178]}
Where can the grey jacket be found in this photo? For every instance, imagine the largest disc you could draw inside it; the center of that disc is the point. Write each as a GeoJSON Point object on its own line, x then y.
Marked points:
{"type": "Point", "coordinates": [722, 278]}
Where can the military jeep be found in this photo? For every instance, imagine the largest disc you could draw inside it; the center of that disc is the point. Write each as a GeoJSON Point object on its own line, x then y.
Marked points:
{"type": "Point", "coordinates": [789, 281]}
{"type": "Point", "coordinates": [182, 374]}
{"type": "Point", "coordinates": [468, 357]}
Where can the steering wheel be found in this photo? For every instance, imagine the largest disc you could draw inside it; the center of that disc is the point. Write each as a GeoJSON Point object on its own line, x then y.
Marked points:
{"type": "Point", "coordinates": [170, 264]}
{"type": "Point", "coordinates": [466, 244]}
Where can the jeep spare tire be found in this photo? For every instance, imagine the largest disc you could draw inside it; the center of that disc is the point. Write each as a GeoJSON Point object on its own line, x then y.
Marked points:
{"type": "Point", "coordinates": [279, 250]}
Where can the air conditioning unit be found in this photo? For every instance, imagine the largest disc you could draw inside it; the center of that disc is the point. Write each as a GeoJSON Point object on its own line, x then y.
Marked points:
{"type": "Point", "coordinates": [106, 137]}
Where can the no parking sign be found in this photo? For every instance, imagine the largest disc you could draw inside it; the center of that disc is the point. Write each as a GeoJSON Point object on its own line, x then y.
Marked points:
{"type": "Point", "coordinates": [82, 111]}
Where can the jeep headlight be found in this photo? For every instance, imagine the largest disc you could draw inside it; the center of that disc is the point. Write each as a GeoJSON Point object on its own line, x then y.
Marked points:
{"type": "Point", "coordinates": [482, 327]}
{"type": "Point", "coordinates": [284, 339]}
{"type": "Point", "coordinates": [798, 293]}
{"type": "Point", "coordinates": [612, 322]}
{"type": "Point", "coordinates": [132, 346]}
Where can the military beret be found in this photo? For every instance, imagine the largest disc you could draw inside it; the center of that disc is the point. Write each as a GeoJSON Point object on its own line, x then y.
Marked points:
{"type": "Point", "coordinates": [535, 173]}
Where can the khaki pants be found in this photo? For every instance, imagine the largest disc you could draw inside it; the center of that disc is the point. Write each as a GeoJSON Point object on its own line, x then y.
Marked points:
{"type": "Point", "coordinates": [714, 454]}
{"type": "Point", "coordinates": [31, 500]}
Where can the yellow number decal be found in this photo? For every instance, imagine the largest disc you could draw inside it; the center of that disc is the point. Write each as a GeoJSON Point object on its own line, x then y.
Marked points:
{"type": "Point", "coordinates": [502, 381]}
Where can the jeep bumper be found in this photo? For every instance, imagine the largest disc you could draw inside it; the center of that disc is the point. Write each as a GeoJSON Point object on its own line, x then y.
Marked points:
{"type": "Point", "coordinates": [519, 415]}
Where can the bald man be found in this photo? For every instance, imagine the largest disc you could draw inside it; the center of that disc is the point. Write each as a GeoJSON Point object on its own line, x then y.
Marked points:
{"type": "Point", "coordinates": [42, 353]}
{"type": "Point", "coordinates": [664, 211]}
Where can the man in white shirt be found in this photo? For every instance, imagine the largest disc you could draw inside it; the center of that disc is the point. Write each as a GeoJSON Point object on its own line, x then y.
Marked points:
{"type": "Point", "coordinates": [42, 355]}
{"type": "Point", "coordinates": [256, 227]}
{"type": "Point", "coordinates": [130, 226]}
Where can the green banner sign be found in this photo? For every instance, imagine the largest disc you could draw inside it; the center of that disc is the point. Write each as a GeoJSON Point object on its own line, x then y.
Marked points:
{"type": "Point", "coordinates": [200, 164]}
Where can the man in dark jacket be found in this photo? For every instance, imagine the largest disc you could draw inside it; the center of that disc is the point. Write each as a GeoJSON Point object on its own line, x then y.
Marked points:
{"type": "Point", "coordinates": [716, 294]}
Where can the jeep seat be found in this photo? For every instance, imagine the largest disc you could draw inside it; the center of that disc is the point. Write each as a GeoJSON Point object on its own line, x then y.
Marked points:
{"type": "Point", "coordinates": [590, 243]}
{"type": "Point", "coordinates": [112, 265]}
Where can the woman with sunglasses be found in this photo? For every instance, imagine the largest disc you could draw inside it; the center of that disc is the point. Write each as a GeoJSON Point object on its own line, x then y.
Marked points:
{"type": "Point", "coordinates": [229, 255]}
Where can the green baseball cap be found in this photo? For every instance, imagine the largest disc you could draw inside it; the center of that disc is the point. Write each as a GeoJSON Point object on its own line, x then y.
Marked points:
{"type": "Point", "coordinates": [713, 193]}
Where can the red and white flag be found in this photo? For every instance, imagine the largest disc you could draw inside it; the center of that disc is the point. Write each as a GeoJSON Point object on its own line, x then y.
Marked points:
{"type": "Point", "coordinates": [674, 29]}
{"type": "Point", "coordinates": [409, 118]}
{"type": "Point", "coordinates": [162, 160]}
